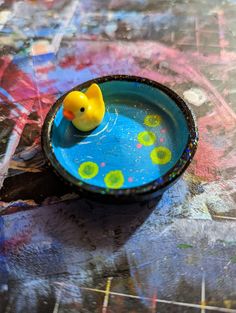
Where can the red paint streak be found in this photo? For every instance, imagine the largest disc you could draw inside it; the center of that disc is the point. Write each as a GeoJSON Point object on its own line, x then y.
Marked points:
{"type": "Point", "coordinates": [20, 123]}
{"type": "Point", "coordinates": [45, 69]}
{"type": "Point", "coordinates": [217, 120]}
{"type": "Point", "coordinates": [14, 244]}
{"type": "Point", "coordinates": [4, 63]}
{"type": "Point", "coordinates": [76, 62]}
{"type": "Point", "coordinates": [15, 81]}
{"type": "Point", "coordinates": [206, 161]}
{"type": "Point", "coordinates": [49, 4]}
{"type": "Point", "coordinates": [68, 61]}
{"type": "Point", "coordinates": [154, 302]}
{"type": "Point", "coordinates": [48, 83]}
{"type": "Point", "coordinates": [108, 59]}
{"type": "Point", "coordinates": [46, 101]}
{"type": "Point", "coordinates": [209, 159]}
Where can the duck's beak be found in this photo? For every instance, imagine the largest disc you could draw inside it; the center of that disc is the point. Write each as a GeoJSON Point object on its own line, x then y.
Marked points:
{"type": "Point", "coordinates": [68, 115]}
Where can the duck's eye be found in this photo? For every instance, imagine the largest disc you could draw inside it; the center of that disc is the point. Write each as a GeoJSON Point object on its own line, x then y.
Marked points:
{"type": "Point", "coordinates": [82, 109]}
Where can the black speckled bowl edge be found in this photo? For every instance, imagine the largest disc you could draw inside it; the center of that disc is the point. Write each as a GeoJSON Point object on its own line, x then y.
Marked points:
{"type": "Point", "coordinates": [145, 192]}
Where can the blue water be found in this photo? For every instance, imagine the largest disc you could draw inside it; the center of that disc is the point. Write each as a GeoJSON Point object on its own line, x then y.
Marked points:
{"type": "Point", "coordinates": [114, 144]}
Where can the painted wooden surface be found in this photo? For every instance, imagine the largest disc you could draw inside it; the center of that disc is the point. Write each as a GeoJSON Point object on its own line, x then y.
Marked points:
{"type": "Point", "coordinates": [59, 253]}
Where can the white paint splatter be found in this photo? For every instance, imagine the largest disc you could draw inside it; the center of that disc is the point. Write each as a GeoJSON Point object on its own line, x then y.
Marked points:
{"type": "Point", "coordinates": [5, 15]}
{"type": "Point", "coordinates": [110, 29]}
{"type": "Point", "coordinates": [195, 96]}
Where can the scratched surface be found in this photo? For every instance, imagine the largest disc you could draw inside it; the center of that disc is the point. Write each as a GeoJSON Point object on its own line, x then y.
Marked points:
{"type": "Point", "coordinates": [60, 253]}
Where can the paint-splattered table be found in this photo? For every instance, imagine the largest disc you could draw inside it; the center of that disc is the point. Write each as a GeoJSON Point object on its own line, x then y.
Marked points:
{"type": "Point", "coordinates": [59, 253]}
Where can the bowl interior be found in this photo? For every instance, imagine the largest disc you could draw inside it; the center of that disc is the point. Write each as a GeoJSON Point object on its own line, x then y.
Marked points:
{"type": "Point", "coordinates": [142, 136]}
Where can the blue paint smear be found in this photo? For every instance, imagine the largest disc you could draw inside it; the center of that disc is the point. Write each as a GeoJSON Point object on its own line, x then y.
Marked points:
{"type": "Point", "coordinates": [65, 78]}
{"type": "Point", "coordinates": [115, 141]}
{"type": "Point", "coordinates": [46, 31]}
{"type": "Point", "coordinates": [3, 264]}
{"type": "Point", "coordinates": [43, 58]}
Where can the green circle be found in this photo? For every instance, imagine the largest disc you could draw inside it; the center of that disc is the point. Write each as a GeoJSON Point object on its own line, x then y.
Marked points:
{"type": "Point", "coordinates": [88, 170]}
{"type": "Point", "coordinates": [147, 138]}
{"type": "Point", "coordinates": [114, 179]}
{"type": "Point", "coordinates": [152, 120]}
{"type": "Point", "coordinates": [160, 155]}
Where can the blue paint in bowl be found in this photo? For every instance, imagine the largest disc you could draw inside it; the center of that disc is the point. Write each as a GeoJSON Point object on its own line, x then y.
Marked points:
{"type": "Point", "coordinates": [140, 142]}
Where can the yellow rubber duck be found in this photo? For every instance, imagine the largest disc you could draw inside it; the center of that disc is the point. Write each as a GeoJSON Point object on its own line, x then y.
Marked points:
{"type": "Point", "coordinates": [85, 110]}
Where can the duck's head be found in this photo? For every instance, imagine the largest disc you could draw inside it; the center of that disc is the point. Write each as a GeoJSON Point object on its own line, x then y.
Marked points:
{"type": "Point", "coordinates": [75, 105]}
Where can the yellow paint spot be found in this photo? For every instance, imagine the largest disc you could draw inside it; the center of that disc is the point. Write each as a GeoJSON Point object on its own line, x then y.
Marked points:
{"type": "Point", "coordinates": [152, 120]}
{"type": "Point", "coordinates": [88, 170]}
{"type": "Point", "coordinates": [147, 138]}
{"type": "Point", "coordinates": [114, 179]}
{"type": "Point", "coordinates": [228, 304]}
{"type": "Point", "coordinates": [160, 155]}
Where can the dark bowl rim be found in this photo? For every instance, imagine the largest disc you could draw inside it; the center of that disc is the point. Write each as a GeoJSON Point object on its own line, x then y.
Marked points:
{"type": "Point", "coordinates": [154, 187]}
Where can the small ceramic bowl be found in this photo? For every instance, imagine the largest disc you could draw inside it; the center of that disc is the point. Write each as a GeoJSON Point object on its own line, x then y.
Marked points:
{"type": "Point", "coordinates": [146, 141]}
